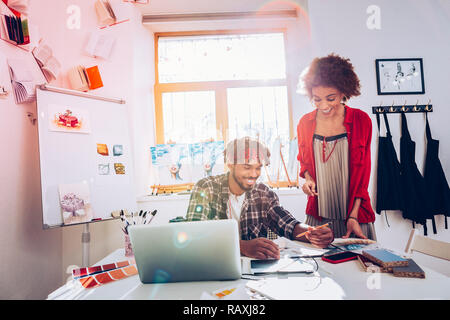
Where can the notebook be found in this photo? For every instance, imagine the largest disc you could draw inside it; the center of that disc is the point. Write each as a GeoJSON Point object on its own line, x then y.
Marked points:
{"type": "Point", "coordinates": [187, 251]}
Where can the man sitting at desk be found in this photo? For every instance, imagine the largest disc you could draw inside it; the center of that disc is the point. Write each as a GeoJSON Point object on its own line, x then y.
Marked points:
{"type": "Point", "coordinates": [237, 195]}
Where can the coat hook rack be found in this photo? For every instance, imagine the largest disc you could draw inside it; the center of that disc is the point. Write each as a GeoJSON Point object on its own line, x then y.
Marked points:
{"type": "Point", "coordinates": [403, 108]}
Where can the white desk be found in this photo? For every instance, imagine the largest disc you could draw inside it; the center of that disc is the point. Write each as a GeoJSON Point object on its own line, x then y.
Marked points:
{"type": "Point", "coordinates": [341, 281]}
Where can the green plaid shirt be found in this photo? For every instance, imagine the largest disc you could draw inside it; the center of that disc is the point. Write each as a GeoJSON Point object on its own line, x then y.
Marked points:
{"type": "Point", "coordinates": [261, 212]}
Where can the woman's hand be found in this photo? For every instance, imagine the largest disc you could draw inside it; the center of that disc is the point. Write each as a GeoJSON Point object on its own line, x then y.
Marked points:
{"type": "Point", "coordinates": [309, 187]}
{"type": "Point", "coordinates": [353, 226]}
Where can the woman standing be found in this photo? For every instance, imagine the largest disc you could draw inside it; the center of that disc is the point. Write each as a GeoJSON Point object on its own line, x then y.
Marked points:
{"type": "Point", "coordinates": [334, 150]}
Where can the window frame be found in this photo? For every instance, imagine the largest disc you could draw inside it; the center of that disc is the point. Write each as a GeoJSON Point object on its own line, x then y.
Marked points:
{"type": "Point", "coordinates": [219, 87]}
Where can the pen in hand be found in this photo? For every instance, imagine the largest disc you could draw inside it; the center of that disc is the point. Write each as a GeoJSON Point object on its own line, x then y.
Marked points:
{"type": "Point", "coordinates": [315, 228]}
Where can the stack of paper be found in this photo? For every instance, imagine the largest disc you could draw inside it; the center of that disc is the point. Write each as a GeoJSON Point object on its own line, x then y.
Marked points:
{"type": "Point", "coordinates": [22, 81]}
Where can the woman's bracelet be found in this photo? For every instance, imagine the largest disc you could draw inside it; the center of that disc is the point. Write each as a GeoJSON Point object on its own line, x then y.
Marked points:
{"type": "Point", "coordinates": [352, 218]}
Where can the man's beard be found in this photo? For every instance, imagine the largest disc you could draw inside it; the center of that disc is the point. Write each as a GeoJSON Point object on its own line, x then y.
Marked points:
{"type": "Point", "coordinates": [240, 184]}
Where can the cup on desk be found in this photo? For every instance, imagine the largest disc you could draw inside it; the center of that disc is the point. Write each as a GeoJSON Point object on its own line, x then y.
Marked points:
{"type": "Point", "coordinates": [128, 248]}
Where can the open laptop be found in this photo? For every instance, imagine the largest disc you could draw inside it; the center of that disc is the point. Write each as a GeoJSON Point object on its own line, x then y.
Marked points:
{"type": "Point", "coordinates": [187, 251]}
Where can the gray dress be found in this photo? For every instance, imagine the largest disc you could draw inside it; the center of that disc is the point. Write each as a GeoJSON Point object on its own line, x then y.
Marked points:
{"type": "Point", "coordinates": [332, 179]}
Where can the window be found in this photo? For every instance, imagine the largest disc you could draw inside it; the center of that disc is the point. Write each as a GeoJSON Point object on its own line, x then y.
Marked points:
{"type": "Point", "coordinates": [221, 85]}
{"type": "Point", "coordinates": [221, 57]}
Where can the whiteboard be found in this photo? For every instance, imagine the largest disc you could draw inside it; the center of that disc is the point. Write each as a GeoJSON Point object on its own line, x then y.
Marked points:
{"type": "Point", "coordinates": [69, 158]}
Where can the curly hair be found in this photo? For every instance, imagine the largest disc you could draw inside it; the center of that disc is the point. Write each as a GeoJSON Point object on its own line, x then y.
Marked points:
{"type": "Point", "coordinates": [330, 71]}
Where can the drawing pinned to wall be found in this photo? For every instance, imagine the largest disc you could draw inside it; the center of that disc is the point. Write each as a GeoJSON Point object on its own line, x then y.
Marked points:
{"type": "Point", "coordinates": [68, 119]}
{"type": "Point", "coordinates": [173, 163]}
{"type": "Point", "coordinates": [75, 203]}
{"type": "Point", "coordinates": [213, 157]}
{"type": "Point", "coordinates": [207, 159]}
{"type": "Point", "coordinates": [100, 45]}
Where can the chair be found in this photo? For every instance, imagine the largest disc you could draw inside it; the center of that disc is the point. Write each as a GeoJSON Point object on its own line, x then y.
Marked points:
{"type": "Point", "coordinates": [431, 247]}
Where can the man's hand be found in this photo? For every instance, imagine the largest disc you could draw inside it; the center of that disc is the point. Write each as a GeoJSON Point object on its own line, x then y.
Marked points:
{"type": "Point", "coordinates": [320, 237]}
{"type": "Point", "coordinates": [260, 248]}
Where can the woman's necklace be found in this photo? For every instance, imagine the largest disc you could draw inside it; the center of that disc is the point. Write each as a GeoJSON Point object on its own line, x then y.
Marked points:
{"type": "Point", "coordinates": [324, 146]}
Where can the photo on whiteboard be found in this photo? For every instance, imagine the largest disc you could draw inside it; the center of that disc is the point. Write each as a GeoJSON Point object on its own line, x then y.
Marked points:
{"type": "Point", "coordinates": [117, 150]}
{"type": "Point", "coordinates": [102, 149]}
{"type": "Point", "coordinates": [103, 169]}
{"type": "Point", "coordinates": [119, 168]}
{"type": "Point", "coordinates": [75, 203]}
{"type": "Point", "coordinates": [68, 119]}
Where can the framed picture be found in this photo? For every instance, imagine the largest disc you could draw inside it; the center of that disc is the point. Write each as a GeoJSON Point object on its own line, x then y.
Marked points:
{"type": "Point", "coordinates": [400, 76]}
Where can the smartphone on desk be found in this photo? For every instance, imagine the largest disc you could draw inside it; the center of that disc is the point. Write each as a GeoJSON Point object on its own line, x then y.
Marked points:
{"type": "Point", "coordinates": [340, 257]}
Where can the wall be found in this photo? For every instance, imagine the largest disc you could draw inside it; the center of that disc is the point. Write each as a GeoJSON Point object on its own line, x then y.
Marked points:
{"type": "Point", "coordinates": [27, 249]}
{"type": "Point", "coordinates": [408, 29]}
{"type": "Point", "coordinates": [127, 75]}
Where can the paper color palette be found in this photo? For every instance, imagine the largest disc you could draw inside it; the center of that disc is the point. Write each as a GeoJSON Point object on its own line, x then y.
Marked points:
{"type": "Point", "coordinates": [83, 272]}
{"type": "Point", "coordinates": [223, 292]}
{"type": "Point", "coordinates": [108, 276]}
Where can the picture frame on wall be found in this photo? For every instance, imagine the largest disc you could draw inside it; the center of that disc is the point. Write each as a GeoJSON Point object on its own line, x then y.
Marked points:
{"type": "Point", "coordinates": [400, 76]}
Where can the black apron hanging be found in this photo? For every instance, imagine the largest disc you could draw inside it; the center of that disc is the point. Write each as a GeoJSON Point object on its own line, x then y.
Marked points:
{"type": "Point", "coordinates": [413, 184]}
{"type": "Point", "coordinates": [388, 172]}
{"type": "Point", "coordinates": [437, 186]}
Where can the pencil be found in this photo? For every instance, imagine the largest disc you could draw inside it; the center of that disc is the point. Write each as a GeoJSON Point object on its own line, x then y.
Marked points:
{"type": "Point", "coordinates": [315, 228]}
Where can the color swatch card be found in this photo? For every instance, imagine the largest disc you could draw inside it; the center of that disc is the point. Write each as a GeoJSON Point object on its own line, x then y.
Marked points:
{"type": "Point", "coordinates": [108, 276]}
{"type": "Point", "coordinates": [385, 258]}
{"type": "Point", "coordinates": [412, 270]}
{"type": "Point", "coordinates": [370, 266]}
{"type": "Point", "coordinates": [83, 272]}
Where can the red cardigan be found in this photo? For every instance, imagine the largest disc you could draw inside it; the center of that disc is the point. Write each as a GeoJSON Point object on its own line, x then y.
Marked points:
{"type": "Point", "coordinates": [359, 135]}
